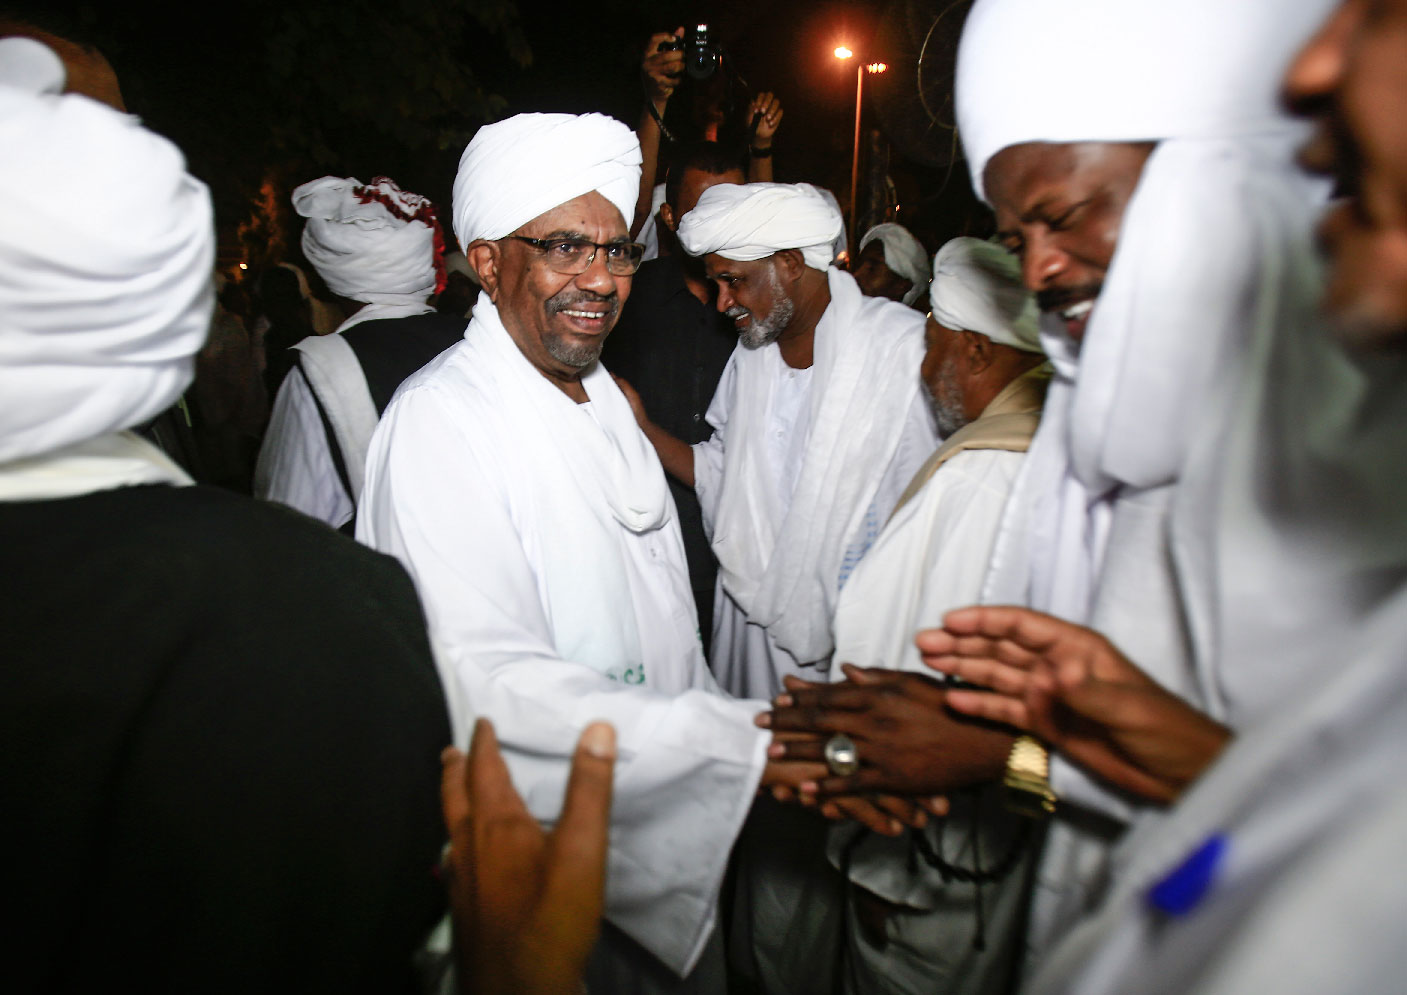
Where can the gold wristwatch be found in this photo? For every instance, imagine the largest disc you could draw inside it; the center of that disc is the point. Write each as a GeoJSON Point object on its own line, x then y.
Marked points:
{"type": "Point", "coordinates": [1027, 779]}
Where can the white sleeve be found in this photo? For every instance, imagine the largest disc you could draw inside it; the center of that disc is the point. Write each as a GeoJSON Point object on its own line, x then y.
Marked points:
{"type": "Point", "coordinates": [688, 765]}
{"type": "Point", "coordinates": [708, 455]}
{"type": "Point", "coordinates": [295, 465]}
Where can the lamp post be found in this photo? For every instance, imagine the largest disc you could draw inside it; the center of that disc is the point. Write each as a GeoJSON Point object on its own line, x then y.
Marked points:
{"type": "Point", "coordinates": [874, 68]}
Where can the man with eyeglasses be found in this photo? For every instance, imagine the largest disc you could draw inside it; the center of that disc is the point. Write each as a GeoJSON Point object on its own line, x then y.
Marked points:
{"type": "Point", "coordinates": [510, 478]}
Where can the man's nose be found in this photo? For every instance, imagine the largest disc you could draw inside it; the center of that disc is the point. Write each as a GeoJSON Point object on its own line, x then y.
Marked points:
{"type": "Point", "coordinates": [1041, 261]}
{"type": "Point", "coordinates": [597, 278]}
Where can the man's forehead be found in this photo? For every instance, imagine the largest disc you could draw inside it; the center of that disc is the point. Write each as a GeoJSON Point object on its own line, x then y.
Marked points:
{"type": "Point", "coordinates": [588, 216]}
{"type": "Point", "coordinates": [1019, 176]}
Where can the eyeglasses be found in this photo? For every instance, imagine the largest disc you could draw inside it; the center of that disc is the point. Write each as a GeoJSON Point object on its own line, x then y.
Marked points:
{"type": "Point", "coordinates": [574, 256]}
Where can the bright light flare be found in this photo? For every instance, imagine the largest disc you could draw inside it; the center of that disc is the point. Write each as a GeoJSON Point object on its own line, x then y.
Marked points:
{"type": "Point", "coordinates": [843, 53]}
{"type": "Point", "coordinates": [243, 265]}
{"type": "Point", "coordinates": [876, 67]}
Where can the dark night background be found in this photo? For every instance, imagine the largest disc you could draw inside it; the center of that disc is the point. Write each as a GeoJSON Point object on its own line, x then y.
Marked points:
{"type": "Point", "coordinates": [264, 95]}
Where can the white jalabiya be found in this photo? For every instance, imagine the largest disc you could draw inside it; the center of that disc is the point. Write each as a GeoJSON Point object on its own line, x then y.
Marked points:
{"type": "Point", "coordinates": [105, 462]}
{"type": "Point", "coordinates": [363, 249]}
{"type": "Point", "coordinates": [543, 541]}
{"type": "Point", "coordinates": [793, 494]}
{"type": "Point", "coordinates": [1086, 534]}
{"type": "Point", "coordinates": [517, 169]}
{"type": "Point", "coordinates": [95, 335]}
{"type": "Point", "coordinates": [1288, 797]}
{"type": "Point", "coordinates": [755, 220]}
{"type": "Point", "coordinates": [903, 254]}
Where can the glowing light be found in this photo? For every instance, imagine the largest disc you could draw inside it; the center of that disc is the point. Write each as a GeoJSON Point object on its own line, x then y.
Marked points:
{"type": "Point", "coordinates": [876, 67]}
{"type": "Point", "coordinates": [243, 265]}
{"type": "Point", "coordinates": [843, 53]}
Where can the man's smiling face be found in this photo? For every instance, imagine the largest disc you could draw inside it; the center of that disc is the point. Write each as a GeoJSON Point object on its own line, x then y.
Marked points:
{"type": "Point", "coordinates": [1059, 207]}
{"type": "Point", "coordinates": [559, 321]}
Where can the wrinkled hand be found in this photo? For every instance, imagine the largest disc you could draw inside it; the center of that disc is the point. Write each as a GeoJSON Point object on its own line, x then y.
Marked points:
{"type": "Point", "coordinates": [909, 742]}
{"type": "Point", "coordinates": [527, 904]}
{"type": "Point", "coordinates": [1069, 686]}
{"type": "Point", "coordinates": [661, 71]}
{"type": "Point", "coordinates": [632, 396]}
{"type": "Point", "coordinates": [771, 109]}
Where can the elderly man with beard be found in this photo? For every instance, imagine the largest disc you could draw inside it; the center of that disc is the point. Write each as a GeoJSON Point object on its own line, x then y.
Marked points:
{"type": "Point", "coordinates": [819, 423]}
{"type": "Point", "coordinates": [915, 927]}
{"type": "Point", "coordinates": [511, 479]}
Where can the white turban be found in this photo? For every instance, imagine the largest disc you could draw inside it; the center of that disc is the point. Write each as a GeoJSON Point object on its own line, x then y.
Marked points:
{"type": "Point", "coordinates": [977, 287]}
{"type": "Point", "coordinates": [1123, 70]}
{"type": "Point", "coordinates": [515, 170]}
{"type": "Point", "coordinates": [106, 253]}
{"type": "Point", "coordinates": [754, 220]}
{"type": "Point", "coordinates": [369, 242]}
{"type": "Point", "coordinates": [903, 254]}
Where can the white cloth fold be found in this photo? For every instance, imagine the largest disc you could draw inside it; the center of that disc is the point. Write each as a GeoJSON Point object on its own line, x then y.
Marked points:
{"type": "Point", "coordinates": [754, 220]}
{"type": "Point", "coordinates": [120, 459]}
{"type": "Point", "coordinates": [371, 242]}
{"type": "Point", "coordinates": [904, 254]}
{"type": "Point", "coordinates": [515, 170]}
{"type": "Point", "coordinates": [977, 287]}
{"type": "Point", "coordinates": [784, 569]}
{"type": "Point", "coordinates": [31, 66]}
{"type": "Point", "coordinates": [106, 253]}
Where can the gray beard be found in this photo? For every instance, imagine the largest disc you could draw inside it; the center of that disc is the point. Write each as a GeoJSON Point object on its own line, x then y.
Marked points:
{"type": "Point", "coordinates": [763, 332]}
{"type": "Point", "coordinates": [946, 402]}
{"type": "Point", "coordinates": [578, 356]}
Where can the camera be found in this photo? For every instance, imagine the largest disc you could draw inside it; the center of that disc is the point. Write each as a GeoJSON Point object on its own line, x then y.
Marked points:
{"type": "Point", "coordinates": [701, 59]}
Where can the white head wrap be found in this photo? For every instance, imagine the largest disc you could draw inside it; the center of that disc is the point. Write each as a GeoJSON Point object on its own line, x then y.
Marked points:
{"type": "Point", "coordinates": [515, 170]}
{"type": "Point", "coordinates": [977, 287]}
{"type": "Point", "coordinates": [754, 220]}
{"type": "Point", "coordinates": [370, 242]}
{"type": "Point", "coordinates": [105, 261]}
{"type": "Point", "coordinates": [903, 254]}
{"type": "Point", "coordinates": [1115, 71]}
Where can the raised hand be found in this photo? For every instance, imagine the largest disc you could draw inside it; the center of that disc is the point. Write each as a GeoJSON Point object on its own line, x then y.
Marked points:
{"type": "Point", "coordinates": [660, 71]}
{"type": "Point", "coordinates": [527, 904]}
{"type": "Point", "coordinates": [770, 108]}
{"type": "Point", "coordinates": [1072, 688]}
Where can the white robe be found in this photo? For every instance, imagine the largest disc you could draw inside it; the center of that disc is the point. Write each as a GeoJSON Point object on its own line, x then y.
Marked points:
{"type": "Point", "coordinates": [551, 613]}
{"type": "Point", "coordinates": [295, 464]}
{"type": "Point", "coordinates": [802, 428]}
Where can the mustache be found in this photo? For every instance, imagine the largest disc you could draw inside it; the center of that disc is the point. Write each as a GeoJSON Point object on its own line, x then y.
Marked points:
{"type": "Point", "coordinates": [570, 298]}
{"type": "Point", "coordinates": [736, 311]}
{"type": "Point", "coordinates": [1059, 298]}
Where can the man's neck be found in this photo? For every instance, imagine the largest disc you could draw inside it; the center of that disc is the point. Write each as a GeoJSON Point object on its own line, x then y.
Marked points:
{"type": "Point", "coordinates": [797, 343]}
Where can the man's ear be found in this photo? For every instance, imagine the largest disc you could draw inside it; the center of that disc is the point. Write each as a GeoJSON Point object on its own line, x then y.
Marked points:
{"type": "Point", "coordinates": [977, 350]}
{"type": "Point", "coordinates": [484, 258]}
{"type": "Point", "coordinates": [790, 263]}
{"type": "Point", "coordinates": [667, 216]}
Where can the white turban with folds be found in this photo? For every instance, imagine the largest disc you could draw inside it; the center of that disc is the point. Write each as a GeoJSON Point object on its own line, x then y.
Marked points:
{"type": "Point", "coordinates": [106, 254]}
{"type": "Point", "coordinates": [903, 254]}
{"type": "Point", "coordinates": [754, 220]}
{"type": "Point", "coordinates": [515, 170]}
{"type": "Point", "coordinates": [371, 242]}
{"type": "Point", "coordinates": [1120, 71]}
{"type": "Point", "coordinates": [977, 287]}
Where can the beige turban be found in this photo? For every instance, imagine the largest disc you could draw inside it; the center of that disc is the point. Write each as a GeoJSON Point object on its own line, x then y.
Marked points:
{"type": "Point", "coordinates": [977, 288]}
{"type": "Point", "coordinates": [755, 220]}
{"type": "Point", "coordinates": [370, 242]}
{"type": "Point", "coordinates": [106, 253]}
{"type": "Point", "coordinates": [515, 170]}
{"type": "Point", "coordinates": [903, 254]}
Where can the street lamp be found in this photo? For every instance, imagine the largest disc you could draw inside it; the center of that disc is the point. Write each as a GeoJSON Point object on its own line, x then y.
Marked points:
{"type": "Point", "coordinates": [874, 69]}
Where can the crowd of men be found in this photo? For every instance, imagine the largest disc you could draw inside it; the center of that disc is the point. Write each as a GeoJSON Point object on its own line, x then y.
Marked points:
{"type": "Point", "coordinates": [1027, 618]}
